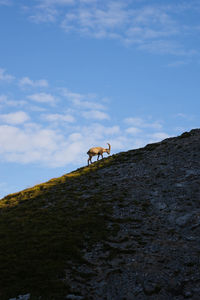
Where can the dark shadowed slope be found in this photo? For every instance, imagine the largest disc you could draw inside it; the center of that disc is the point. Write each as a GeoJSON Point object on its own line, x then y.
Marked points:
{"type": "Point", "coordinates": [127, 227]}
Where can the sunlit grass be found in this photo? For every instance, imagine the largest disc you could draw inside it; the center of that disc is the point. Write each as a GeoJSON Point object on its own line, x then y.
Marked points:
{"type": "Point", "coordinates": [44, 228]}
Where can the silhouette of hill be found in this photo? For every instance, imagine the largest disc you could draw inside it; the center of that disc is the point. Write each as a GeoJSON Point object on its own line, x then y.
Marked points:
{"type": "Point", "coordinates": [126, 227]}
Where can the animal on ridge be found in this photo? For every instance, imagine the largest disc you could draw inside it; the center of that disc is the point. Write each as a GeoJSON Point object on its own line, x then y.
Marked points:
{"type": "Point", "coordinates": [97, 151]}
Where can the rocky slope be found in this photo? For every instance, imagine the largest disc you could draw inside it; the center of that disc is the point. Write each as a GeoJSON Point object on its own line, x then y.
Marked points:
{"type": "Point", "coordinates": [127, 227]}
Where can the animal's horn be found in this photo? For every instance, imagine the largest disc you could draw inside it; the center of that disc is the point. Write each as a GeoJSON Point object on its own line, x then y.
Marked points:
{"type": "Point", "coordinates": [109, 146]}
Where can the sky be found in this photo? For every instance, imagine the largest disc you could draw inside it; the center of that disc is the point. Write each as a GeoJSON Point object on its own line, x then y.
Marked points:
{"type": "Point", "coordinates": [81, 73]}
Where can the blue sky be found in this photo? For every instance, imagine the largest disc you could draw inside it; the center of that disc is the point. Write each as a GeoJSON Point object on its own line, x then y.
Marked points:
{"type": "Point", "coordinates": [81, 73]}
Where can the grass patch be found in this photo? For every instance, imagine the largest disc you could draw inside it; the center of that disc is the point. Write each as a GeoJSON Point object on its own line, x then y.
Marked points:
{"type": "Point", "coordinates": [38, 240]}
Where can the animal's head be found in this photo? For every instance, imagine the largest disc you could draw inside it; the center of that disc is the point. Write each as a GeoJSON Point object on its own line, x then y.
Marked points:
{"type": "Point", "coordinates": [108, 150]}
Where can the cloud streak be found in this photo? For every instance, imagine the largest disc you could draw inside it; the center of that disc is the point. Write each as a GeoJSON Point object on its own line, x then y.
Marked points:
{"type": "Point", "coordinates": [27, 82]}
{"type": "Point", "coordinates": [5, 77]}
{"type": "Point", "coordinates": [5, 2]}
{"type": "Point", "coordinates": [43, 98]}
{"type": "Point", "coordinates": [18, 117]}
{"type": "Point", "coordinates": [141, 123]}
{"type": "Point", "coordinates": [83, 101]}
{"type": "Point", "coordinates": [156, 28]}
{"type": "Point", "coordinates": [57, 128]}
{"type": "Point", "coordinates": [95, 115]}
{"type": "Point", "coordinates": [59, 117]}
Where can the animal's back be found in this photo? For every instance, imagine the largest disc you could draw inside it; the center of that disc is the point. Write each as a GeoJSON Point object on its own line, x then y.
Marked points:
{"type": "Point", "coordinates": [94, 150]}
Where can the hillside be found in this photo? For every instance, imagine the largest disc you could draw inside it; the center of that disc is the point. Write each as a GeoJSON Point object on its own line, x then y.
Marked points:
{"type": "Point", "coordinates": [126, 227]}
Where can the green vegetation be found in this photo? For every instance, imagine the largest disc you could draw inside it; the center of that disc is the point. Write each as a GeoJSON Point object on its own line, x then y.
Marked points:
{"type": "Point", "coordinates": [44, 229]}
{"type": "Point", "coordinates": [185, 135]}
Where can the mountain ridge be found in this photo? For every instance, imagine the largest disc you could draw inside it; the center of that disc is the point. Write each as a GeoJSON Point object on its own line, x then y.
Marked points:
{"type": "Point", "coordinates": [126, 227]}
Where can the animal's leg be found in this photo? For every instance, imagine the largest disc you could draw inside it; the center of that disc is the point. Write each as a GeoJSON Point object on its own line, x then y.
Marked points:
{"type": "Point", "coordinates": [89, 160]}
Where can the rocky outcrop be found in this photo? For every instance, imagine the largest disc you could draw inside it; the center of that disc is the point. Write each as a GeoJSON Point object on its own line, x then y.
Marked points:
{"type": "Point", "coordinates": [155, 254]}
{"type": "Point", "coordinates": [145, 243]}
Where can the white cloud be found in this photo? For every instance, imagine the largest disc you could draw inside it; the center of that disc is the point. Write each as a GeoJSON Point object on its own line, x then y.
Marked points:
{"type": "Point", "coordinates": [44, 14]}
{"type": "Point", "coordinates": [3, 98]}
{"type": "Point", "coordinates": [112, 130]}
{"type": "Point", "coordinates": [95, 115]}
{"type": "Point", "coordinates": [18, 117]}
{"type": "Point", "coordinates": [46, 11]}
{"type": "Point", "coordinates": [46, 139]}
{"type": "Point", "coordinates": [99, 22]}
{"type": "Point", "coordinates": [56, 2]}
{"type": "Point", "coordinates": [148, 26]}
{"type": "Point", "coordinates": [59, 117]}
{"type": "Point", "coordinates": [5, 2]}
{"type": "Point", "coordinates": [133, 130]}
{"type": "Point", "coordinates": [97, 133]}
{"type": "Point", "coordinates": [6, 101]}
{"type": "Point", "coordinates": [157, 136]}
{"type": "Point", "coordinates": [22, 140]}
{"type": "Point", "coordinates": [185, 117]}
{"type": "Point", "coordinates": [34, 143]}
{"type": "Point", "coordinates": [40, 145]}
{"type": "Point", "coordinates": [16, 142]}
{"type": "Point", "coordinates": [4, 76]}
{"type": "Point", "coordinates": [82, 101]}
{"type": "Point", "coordinates": [37, 108]}
{"type": "Point", "coordinates": [76, 136]}
{"type": "Point", "coordinates": [134, 121]}
{"type": "Point", "coordinates": [181, 115]}
{"type": "Point", "coordinates": [84, 104]}
{"type": "Point", "coordinates": [166, 47]}
{"type": "Point", "coordinates": [141, 123]}
{"type": "Point", "coordinates": [43, 98]}
{"type": "Point", "coordinates": [12, 139]}
{"type": "Point", "coordinates": [26, 81]}
{"type": "Point", "coordinates": [71, 95]}
{"type": "Point", "coordinates": [178, 63]}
